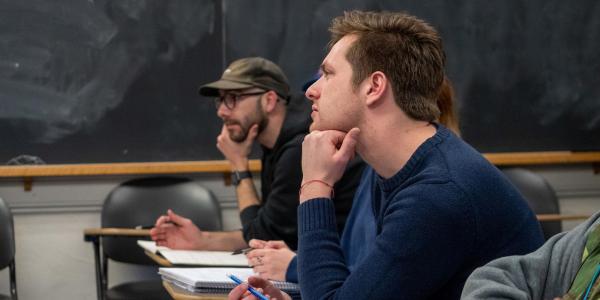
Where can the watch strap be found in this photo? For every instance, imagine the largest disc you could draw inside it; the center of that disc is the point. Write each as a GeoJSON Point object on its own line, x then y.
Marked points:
{"type": "Point", "coordinates": [237, 176]}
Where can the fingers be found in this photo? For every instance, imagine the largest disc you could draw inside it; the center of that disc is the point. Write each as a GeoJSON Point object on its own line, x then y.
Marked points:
{"type": "Point", "coordinates": [260, 244]}
{"type": "Point", "coordinates": [156, 235]}
{"type": "Point", "coordinates": [221, 138]}
{"type": "Point", "coordinates": [269, 290]}
{"type": "Point", "coordinates": [177, 219]}
{"type": "Point", "coordinates": [276, 245]}
{"type": "Point", "coordinates": [348, 144]}
{"type": "Point", "coordinates": [161, 234]}
{"type": "Point", "coordinates": [161, 220]}
{"type": "Point", "coordinates": [256, 261]}
{"type": "Point", "coordinates": [252, 133]}
{"type": "Point", "coordinates": [224, 135]}
{"type": "Point", "coordinates": [325, 155]}
{"type": "Point", "coordinates": [261, 271]}
{"type": "Point", "coordinates": [343, 141]}
{"type": "Point", "coordinates": [257, 244]}
{"type": "Point", "coordinates": [256, 253]}
{"type": "Point", "coordinates": [258, 282]}
{"type": "Point", "coordinates": [158, 232]}
{"type": "Point", "coordinates": [238, 292]}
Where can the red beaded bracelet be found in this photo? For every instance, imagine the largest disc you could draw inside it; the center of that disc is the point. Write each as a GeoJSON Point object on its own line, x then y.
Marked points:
{"type": "Point", "coordinates": [316, 180]}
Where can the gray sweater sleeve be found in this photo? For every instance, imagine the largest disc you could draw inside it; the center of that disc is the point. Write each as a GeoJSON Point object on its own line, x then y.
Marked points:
{"type": "Point", "coordinates": [543, 274]}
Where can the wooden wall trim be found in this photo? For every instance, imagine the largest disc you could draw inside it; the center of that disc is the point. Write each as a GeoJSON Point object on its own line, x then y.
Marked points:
{"type": "Point", "coordinates": [215, 166]}
{"type": "Point", "coordinates": [542, 158]}
{"type": "Point", "coordinates": [222, 166]}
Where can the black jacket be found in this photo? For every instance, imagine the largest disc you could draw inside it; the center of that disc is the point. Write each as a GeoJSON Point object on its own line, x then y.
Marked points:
{"type": "Point", "coordinates": [276, 218]}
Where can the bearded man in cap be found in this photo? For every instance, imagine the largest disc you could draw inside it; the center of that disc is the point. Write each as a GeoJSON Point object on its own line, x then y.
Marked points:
{"type": "Point", "coordinates": [253, 100]}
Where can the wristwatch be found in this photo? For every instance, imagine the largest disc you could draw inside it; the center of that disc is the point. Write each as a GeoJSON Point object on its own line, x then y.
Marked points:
{"type": "Point", "coordinates": [237, 176]}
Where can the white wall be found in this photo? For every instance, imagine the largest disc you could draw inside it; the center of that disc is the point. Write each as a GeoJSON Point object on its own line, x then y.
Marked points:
{"type": "Point", "coordinates": [53, 261]}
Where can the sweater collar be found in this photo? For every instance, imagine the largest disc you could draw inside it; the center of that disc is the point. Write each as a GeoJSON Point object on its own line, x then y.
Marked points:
{"type": "Point", "coordinates": [415, 159]}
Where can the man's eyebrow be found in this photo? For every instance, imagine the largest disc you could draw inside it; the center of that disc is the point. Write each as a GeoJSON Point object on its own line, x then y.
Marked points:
{"type": "Point", "coordinates": [322, 67]}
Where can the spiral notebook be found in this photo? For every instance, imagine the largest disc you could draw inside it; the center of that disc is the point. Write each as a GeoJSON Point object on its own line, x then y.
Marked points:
{"type": "Point", "coordinates": [215, 280]}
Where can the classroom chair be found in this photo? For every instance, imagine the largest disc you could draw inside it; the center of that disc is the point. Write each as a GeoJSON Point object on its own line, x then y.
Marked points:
{"type": "Point", "coordinates": [539, 194]}
{"type": "Point", "coordinates": [7, 248]}
{"type": "Point", "coordinates": [137, 203]}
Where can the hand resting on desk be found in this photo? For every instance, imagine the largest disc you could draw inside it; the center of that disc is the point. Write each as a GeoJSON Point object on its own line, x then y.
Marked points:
{"type": "Point", "coordinates": [176, 232]}
{"type": "Point", "coordinates": [270, 259]}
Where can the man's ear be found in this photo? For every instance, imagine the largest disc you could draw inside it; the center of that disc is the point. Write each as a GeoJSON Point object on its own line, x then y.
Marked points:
{"type": "Point", "coordinates": [269, 101]}
{"type": "Point", "coordinates": [375, 87]}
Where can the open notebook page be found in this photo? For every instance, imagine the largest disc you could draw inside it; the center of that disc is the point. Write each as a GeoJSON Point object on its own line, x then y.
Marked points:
{"type": "Point", "coordinates": [194, 257]}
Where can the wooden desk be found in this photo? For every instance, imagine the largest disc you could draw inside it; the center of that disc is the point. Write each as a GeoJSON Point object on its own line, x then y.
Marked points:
{"type": "Point", "coordinates": [161, 261]}
{"type": "Point", "coordinates": [91, 233]}
{"type": "Point", "coordinates": [180, 294]}
{"type": "Point", "coordinates": [556, 217]}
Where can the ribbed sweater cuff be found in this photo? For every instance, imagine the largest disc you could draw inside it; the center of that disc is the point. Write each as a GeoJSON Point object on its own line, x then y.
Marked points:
{"type": "Point", "coordinates": [318, 213]}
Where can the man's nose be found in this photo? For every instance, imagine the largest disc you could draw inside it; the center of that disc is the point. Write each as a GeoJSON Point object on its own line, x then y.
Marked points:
{"type": "Point", "coordinates": [312, 92]}
{"type": "Point", "coordinates": [223, 111]}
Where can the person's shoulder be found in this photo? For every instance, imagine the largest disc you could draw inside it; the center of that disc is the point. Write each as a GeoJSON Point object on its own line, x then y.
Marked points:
{"type": "Point", "coordinates": [433, 191]}
{"type": "Point", "coordinates": [591, 224]}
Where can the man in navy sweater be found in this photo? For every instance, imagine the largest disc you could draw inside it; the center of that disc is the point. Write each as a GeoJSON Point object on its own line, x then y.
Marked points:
{"type": "Point", "coordinates": [440, 208]}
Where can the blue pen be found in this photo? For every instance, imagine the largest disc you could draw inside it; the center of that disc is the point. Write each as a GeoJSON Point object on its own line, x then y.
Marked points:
{"type": "Point", "coordinates": [250, 289]}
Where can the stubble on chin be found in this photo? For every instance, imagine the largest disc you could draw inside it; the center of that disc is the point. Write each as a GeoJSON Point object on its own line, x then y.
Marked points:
{"type": "Point", "coordinates": [238, 136]}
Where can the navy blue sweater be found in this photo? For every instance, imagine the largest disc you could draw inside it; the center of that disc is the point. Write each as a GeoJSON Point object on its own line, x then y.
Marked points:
{"type": "Point", "coordinates": [446, 212]}
{"type": "Point", "coordinates": [358, 234]}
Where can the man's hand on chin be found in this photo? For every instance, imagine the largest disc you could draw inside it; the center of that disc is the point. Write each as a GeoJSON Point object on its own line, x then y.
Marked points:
{"type": "Point", "coordinates": [325, 155]}
{"type": "Point", "coordinates": [237, 153]}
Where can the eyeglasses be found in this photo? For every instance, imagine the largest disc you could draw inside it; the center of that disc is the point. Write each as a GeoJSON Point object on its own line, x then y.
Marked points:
{"type": "Point", "coordinates": [230, 99]}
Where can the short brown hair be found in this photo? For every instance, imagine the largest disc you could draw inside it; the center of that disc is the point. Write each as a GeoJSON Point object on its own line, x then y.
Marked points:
{"type": "Point", "coordinates": [405, 48]}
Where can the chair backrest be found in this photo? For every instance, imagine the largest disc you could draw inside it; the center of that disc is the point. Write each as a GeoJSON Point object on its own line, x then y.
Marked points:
{"type": "Point", "coordinates": [7, 236]}
{"type": "Point", "coordinates": [141, 201]}
{"type": "Point", "coordinates": [539, 194]}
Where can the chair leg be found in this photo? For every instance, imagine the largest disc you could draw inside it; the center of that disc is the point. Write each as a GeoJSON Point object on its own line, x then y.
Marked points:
{"type": "Point", "coordinates": [99, 276]}
{"type": "Point", "coordinates": [104, 273]}
{"type": "Point", "coordinates": [13, 280]}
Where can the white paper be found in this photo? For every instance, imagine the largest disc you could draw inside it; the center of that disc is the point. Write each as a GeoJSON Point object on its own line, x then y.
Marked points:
{"type": "Point", "coordinates": [193, 257]}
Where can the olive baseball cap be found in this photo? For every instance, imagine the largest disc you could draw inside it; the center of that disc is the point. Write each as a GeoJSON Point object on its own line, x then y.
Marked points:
{"type": "Point", "coordinates": [249, 72]}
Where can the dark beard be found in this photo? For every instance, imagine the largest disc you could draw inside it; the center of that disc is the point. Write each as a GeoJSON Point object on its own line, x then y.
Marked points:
{"type": "Point", "coordinates": [262, 124]}
{"type": "Point", "coordinates": [238, 138]}
{"type": "Point", "coordinates": [243, 135]}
